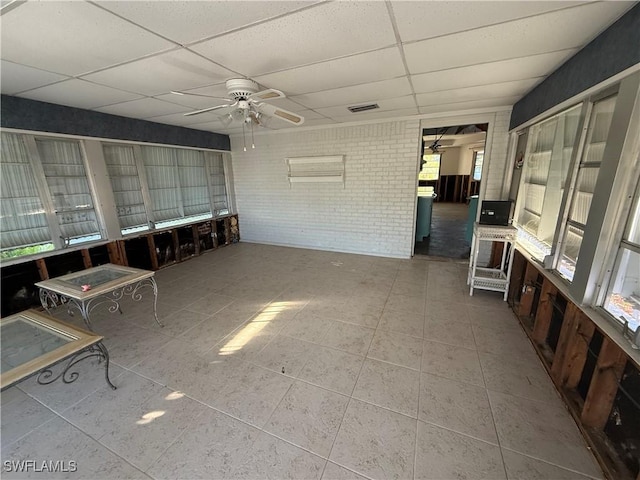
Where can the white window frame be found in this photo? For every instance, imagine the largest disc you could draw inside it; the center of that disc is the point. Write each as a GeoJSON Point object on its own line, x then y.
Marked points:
{"type": "Point", "coordinates": [611, 205]}
{"type": "Point", "coordinates": [101, 192]}
{"type": "Point", "coordinates": [59, 243]}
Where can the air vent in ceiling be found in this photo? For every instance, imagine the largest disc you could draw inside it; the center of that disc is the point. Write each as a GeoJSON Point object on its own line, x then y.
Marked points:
{"type": "Point", "coordinates": [363, 108]}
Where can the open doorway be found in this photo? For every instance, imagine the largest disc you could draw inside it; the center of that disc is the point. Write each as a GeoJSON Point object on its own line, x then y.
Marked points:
{"type": "Point", "coordinates": [448, 187]}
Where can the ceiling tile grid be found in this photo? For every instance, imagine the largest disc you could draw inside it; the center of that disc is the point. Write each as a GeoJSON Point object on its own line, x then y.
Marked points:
{"type": "Point", "coordinates": [410, 58]}
{"type": "Point", "coordinates": [72, 38]}
{"type": "Point", "coordinates": [16, 78]}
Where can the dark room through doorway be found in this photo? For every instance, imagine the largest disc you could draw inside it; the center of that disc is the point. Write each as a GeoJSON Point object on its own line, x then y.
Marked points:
{"type": "Point", "coordinates": [448, 186]}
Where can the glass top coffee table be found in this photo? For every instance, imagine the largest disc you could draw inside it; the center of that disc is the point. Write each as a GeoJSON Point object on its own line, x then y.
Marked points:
{"type": "Point", "coordinates": [106, 284]}
{"type": "Point", "coordinates": [33, 342]}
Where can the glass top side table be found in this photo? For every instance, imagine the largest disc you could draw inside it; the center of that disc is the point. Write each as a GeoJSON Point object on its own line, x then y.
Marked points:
{"type": "Point", "coordinates": [87, 289]}
{"type": "Point", "coordinates": [32, 342]}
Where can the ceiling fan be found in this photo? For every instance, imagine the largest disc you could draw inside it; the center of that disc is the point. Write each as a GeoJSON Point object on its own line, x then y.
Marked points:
{"type": "Point", "coordinates": [247, 104]}
{"type": "Point", "coordinates": [436, 146]}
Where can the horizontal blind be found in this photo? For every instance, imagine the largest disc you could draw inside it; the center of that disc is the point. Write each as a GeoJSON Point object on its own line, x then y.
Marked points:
{"type": "Point", "coordinates": [125, 182]}
{"type": "Point", "coordinates": [67, 181]}
{"type": "Point", "coordinates": [23, 220]}
{"type": "Point", "coordinates": [193, 183]}
{"type": "Point", "coordinates": [218, 184]}
{"type": "Point", "coordinates": [160, 168]}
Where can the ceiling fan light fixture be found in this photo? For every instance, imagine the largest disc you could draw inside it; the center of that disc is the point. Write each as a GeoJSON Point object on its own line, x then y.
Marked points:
{"type": "Point", "coordinates": [247, 104]}
{"type": "Point", "coordinates": [237, 115]}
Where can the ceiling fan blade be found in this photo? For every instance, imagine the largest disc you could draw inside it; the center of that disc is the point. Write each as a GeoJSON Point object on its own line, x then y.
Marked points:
{"type": "Point", "coordinates": [268, 94]}
{"type": "Point", "coordinates": [210, 109]}
{"type": "Point", "coordinates": [199, 95]}
{"type": "Point", "coordinates": [281, 113]}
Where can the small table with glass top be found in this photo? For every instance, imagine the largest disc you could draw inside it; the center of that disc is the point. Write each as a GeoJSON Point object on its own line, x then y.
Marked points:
{"type": "Point", "coordinates": [106, 284]}
{"type": "Point", "coordinates": [33, 342]}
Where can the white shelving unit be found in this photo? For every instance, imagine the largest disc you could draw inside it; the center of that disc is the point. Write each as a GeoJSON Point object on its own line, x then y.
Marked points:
{"type": "Point", "coordinates": [316, 169]}
{"type": "Point", "coordinates": [485, 278]}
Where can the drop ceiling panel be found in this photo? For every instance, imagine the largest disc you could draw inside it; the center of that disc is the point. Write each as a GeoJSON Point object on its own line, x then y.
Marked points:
{"type": "Point", "coordinates": [317, 121]}
{"type": "Point", "coordinates": [356, 69]}
{"type": "Point", "coordinates": [191, 21]}
{"type": "Point", "coordinates": [176, 119]}
{"type": "Point", "coordinates": [72, 37]}
{"type": "Point", "coordinates": [79, 93]}
{"type": "Point", "coordinates": [375, 114]}
{"type": "Point", "coordinates": [506, 89]}
{"type": "Point", "coordinates": [286, 103]}
{"type": "Point", "coordinates": [16, 78]}
{"type": "Point", "coordinates": [442, 18]}
{"type": "Point", "coordinates": [319, 33]}
{"type": "Point", "coordinates": [214, 126]}
{"type": "Point", "coordinates": [460, 106]}
{"type": "Point", "coordinates": [309, 115]}
{"type": "Point", "coordinates": [143, 108]}
{"type": "Point", "coordinates": [195, 102]}
{"type": "Point", "coordinates": [176, 70]}
{"type": "Point", "coordinates": [320, 54]}
{"type": "Point", "coordinates": [370, 92]}
{"type": "Point", "coordinates": [488, 73]}
{"type": "Point", "coordinates": [550, 32]}
{"type": "Point", "coordinates": [401, 103]}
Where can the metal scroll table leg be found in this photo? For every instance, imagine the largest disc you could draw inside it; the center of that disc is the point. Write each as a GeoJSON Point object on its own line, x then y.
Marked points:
{"type": "Point", "coordinates": [84, 311]}
{"type": "Point", "coordinates": [69, 375]}
{"type": "Point", "coordinates": [105, 353]}
{"type": "Point", "coordinates": [155, 300]}
{"type": "Point", "coordinates": [45, 297]}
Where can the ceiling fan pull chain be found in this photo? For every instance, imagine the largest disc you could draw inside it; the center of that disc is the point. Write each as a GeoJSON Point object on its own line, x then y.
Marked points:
{"type": "Point", "coordinates": [253, 145]}
{"type": "Point", "coordinates": [244, 139]}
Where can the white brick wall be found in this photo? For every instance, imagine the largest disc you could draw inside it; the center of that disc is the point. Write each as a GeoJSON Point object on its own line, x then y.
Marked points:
{"type": "Point", "coordinates": [373, 213]}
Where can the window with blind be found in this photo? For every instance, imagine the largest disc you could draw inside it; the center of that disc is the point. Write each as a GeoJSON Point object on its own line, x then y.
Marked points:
{"type": "Point", "coordinates": [159, 187]}
{"type": "Point", "coordinates": [545, 171]}
{"type": "Point", "coordinates": [127, 188]}
{"type": "Point", "coordinates": [217, 180]}
{"type": "Point", "coordinates": [23, 220]}
{"type": "Point", "coordinates": [587, 176]}
{"type": "Point", "coordinates": [66, 179]}
{"type": "Point", "coordinates": [478, 160]}
{"type": "Point", "coordinates": [47, 200]}
{"type": "Point", "coordinates": [177, 181]}
{"type": "Point", "coordinates": [192, 175]}
{"type": "Point", "coordinates": [430, 167]}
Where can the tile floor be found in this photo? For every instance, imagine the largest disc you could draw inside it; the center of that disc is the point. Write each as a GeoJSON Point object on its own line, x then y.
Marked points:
{"type": "Point", "coordinates": [288, 363]}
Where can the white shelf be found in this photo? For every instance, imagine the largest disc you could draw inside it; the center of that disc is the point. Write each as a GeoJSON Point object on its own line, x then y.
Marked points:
{"type": "Point", "coordinates": [327, 169]}
{"type": "Point", "coordinates": [493, 279]}
{"type": "Point", "coordinates": [317, 179]}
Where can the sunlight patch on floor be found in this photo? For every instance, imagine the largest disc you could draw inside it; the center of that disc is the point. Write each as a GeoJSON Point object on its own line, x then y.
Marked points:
{"type": "Point", "coordinates": [254, 327]}
{"type": "Point", "coordinates": [150, 417]}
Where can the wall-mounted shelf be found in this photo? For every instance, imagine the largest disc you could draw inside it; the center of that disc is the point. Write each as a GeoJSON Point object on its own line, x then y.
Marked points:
{"type": "Point", "coordinates": [326, 169]}
{"type": "Point", "coordinates": [317, 179]}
